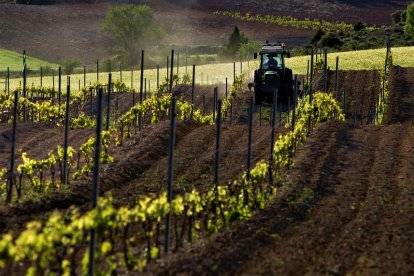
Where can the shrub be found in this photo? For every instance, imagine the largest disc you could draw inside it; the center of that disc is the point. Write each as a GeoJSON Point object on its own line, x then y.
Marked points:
{"type": "Point", "coordinates": [359, 26]}
{"type": "Point", "coordinates": [47, 70]}
{"type": "Point", "coordinates": [331, 40]}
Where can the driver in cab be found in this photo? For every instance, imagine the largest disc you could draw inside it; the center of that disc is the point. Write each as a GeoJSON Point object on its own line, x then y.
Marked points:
{"type": "Point", "coordinates": [271, 63]}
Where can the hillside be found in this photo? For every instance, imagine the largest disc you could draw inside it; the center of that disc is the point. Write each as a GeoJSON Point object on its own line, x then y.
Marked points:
{"type": "Point", "coordinates": [370, 11]}
{"type": "Point", "coordinates": [72, 31]}
{"type": "Point", "coordinates": [14, 61]}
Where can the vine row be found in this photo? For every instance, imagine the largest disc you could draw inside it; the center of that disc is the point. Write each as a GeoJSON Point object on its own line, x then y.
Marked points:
{"type": "Point", "coordinates": [129, 237]}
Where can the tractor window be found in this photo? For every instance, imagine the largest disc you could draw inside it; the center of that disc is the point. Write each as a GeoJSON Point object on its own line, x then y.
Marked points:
{"type": "Point", "coordinates": [272, 61]}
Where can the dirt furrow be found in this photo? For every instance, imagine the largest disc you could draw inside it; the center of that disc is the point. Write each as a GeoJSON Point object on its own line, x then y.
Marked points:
{"type": "Point", "coordinates": [361, 87]}
{"type": "Point", "coordinates": [38, 140]}
{"type": "Point", "coordinates": [194, 158]}
{"type": "Point", "coordinates": [230, 250]}
{"type": "Point", "coordinates": [401, 101]}
{"type": "Point", "coordinates": [393, 248]}
{"type": "Point", "coordinates": [301, 242]}
{"type": "Point", "coordinates": [325, 220]}
{"type": "Point", "coordinates": [305, 247]}
{"type": "Point", "coordinates": [125, 177]}
{"type": "Point", "coordinates": [348, 246]}
{"type": "Point", "coordinates": [346, 206]}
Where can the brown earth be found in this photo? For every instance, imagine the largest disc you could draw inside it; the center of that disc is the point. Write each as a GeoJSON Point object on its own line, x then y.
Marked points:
{"type": "Point", "coordinates": [38, 140]}
{"type": "Point", "coordinates": [344, 208]}
{"type": "Point", "coordinates": [141, 163]}
{"type": "Point", "coordinates": [360, 89]}
{"type": "Point", "coordinates": [73, 31]}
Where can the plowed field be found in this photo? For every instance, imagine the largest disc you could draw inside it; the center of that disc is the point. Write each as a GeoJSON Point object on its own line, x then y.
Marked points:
{"type": "Point", "coordinates": [140, 165]}
{"type": "Point", "coordinates": [345, 208]}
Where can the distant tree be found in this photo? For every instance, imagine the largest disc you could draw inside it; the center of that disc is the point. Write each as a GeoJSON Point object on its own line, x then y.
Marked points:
{"type": "Point", "coordinates": [69, 65]}
{"type": "Point", "coordinates": [47, 70]}
{"type": "Point", "coordinates": [247, 49]}
{"type": "Point", "coordinates": [237, 38]}
{"type": "Point", "coordinates": [319, 33]}
{"type": "Point", "coordinates": [409, 23]}
{"type": "Point", "coordinates": [130, 28]}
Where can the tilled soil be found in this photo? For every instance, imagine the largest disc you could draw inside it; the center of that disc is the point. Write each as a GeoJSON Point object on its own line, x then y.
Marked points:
{"type": "Point", "coordinates": [358, 92]}
{"type": "Point", "coordinates": [37, 140]}
{"type": "Point", "coordinates": [140, 166]}
{"type": "Point", "coordinates": [344, 208]}
{"type": "Point", "coordinates": [400, 104]}
{"type": "Point", "coordinates": [342, 10]}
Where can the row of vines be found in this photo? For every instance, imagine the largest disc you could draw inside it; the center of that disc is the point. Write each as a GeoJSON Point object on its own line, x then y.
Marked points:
{"type": "Point", "coordinates": [385, 93]}
{"type": "Point", "coordinates": [130, 237]}
{"type": "Point", "coordinates": [38, 176]}
{"type": "Point", "coordinates": [43, 104]}
{"type": "Point", "coordinates": [288, 21]}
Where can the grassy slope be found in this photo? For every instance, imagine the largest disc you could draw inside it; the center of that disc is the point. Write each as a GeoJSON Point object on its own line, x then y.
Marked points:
{"type": "Point", "coordinates": [14, 61]}
{"type": "Point", "coordinates": [357, 60]}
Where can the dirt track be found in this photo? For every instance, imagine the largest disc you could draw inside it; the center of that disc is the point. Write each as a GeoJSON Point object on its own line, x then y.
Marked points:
{"type": "Point", "coordinates": [346, 207]}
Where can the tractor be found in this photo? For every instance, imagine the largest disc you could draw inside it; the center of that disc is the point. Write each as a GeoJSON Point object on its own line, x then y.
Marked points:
{"type": "Point", "coordinates": [272, 75]}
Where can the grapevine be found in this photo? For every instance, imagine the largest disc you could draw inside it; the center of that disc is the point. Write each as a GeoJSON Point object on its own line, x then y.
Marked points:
{"type": "Point", "coordinates": [382, 107]}
{"type": "Point", "coordinates": [287, 21]}
{"type": "Point", "coordinates": [192, 212]}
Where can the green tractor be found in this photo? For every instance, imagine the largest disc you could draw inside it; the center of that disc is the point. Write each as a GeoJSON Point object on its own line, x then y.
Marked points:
{"type": "Point", "coordinates": [272, 75]}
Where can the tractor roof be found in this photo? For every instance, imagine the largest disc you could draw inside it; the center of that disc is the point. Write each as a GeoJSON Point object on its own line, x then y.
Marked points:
{"type": "Point", "coordinates": [272, 49]}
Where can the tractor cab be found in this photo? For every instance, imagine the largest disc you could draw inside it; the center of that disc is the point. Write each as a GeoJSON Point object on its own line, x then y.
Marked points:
{"type": "Point", "coordinates": [271, 61]}
{"type": "Point", "coordinates": [272, 57]}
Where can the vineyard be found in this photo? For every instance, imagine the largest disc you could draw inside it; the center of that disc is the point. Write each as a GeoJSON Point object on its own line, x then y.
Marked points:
{"type": "Point", "coordinates": [288, 21]}
{"type": "Point", "coordinates": [106, 179]}
{"type": "Point", "coordinates": [344, 208]}
{"type": "Point", "coordinates": [209, 74]}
